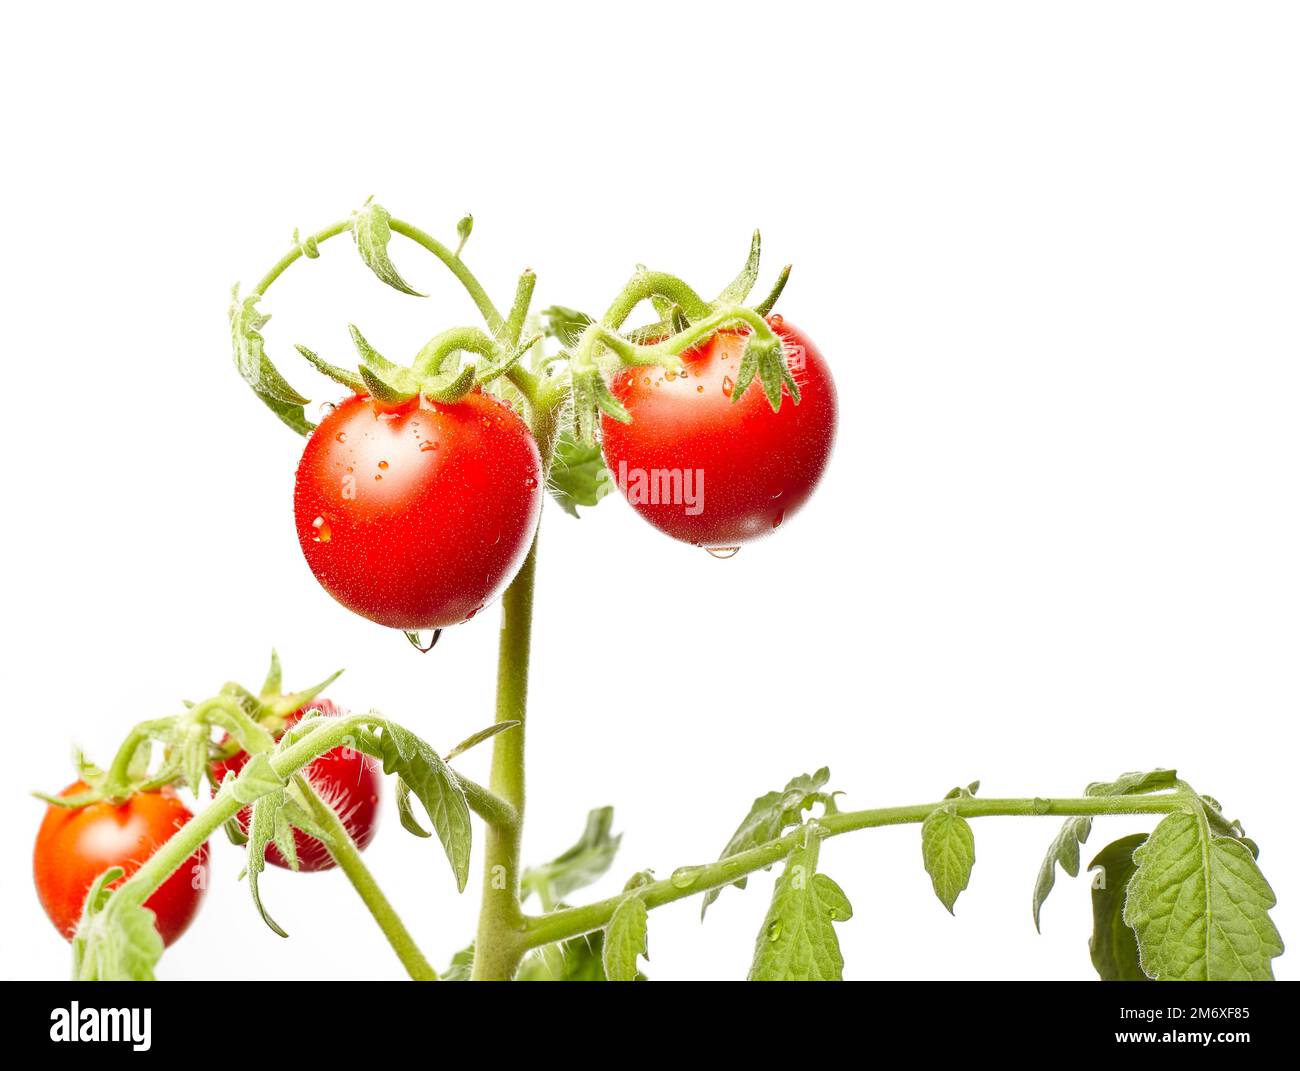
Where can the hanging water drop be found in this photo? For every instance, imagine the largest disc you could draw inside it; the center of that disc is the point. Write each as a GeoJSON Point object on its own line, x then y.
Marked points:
{"type": "Point", "coordinates": [780, 516]}
{"type": "Point", "coordinates": [424, 640]}
{"type": "Point", "coordinates": [723, 552]}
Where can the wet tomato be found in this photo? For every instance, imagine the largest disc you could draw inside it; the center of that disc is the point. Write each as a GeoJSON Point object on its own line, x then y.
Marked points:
{"type": "Point", "coordinates": [416, 517]}
{"type": "Point", "coordinates": [712, 472]}
{"type": "Point", "coordinates": [73, 847]}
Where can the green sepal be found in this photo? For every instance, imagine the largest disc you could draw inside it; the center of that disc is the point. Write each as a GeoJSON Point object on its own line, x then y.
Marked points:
{"type": "Point", "coordinates": [285, 705]}
{"type": "Point", "coordinates": [496, 371]}
{"type": "Point", "coordinates": [351, 380]}
{"type": "Point", "coordinates": [738, 289]}
{"type": "Point", "coordinates": [371, 230]}
{"type": "Point", "coordinates": [274, 680]}
{"type": "Point", "coordinates": [448, 387]}
{"type": "Point", "coordinates": [765, 357]}
{"type": "Point", "coordinates": [766, 305]}
{"type": "Point", "coordinates": [464, 228]}
{"type": "Point", "coordinates": [382, 390]}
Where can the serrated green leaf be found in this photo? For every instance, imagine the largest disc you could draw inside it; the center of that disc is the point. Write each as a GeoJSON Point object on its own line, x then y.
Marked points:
{"type": "Point", "coordinates": [580, 866]}
{"type": "Point", "coordinates": [437, 789]}
{"type": "Point", "coordinates": [370, 228]}
{"type": "Point", "coordinates": [1113, 944]}
{"type": "Point", "coordinates": [565, 324]}
{"type": "Point", "coordinates": [578, 475]}
{"type": "Point", "coordinates": [1199, 905]}
{"type": "Point", "coordinates": [948, 849]}
{"type": "Point", "coordinates": [575, 960]}
{"type": "Point", "coordinates": [625, 940]}
{"type": "Point", "coordinates": [246, 323]}
{"type": "Point", "coordinates": [1074, 832]}
{"type": "Point", "coordinates": [116, 940]}
{"type": "Point", "coordinates": [768, 817]}
{"type": "Point", "coordinates": [256, 779]}
{"type": "Point", "coordinates": [797, 942]}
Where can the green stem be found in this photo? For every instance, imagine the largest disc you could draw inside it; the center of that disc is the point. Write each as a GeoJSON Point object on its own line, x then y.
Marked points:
{"type": "Point", "coordinates": [498, 946]}
{"type": "Point", "coordinates": [655, 284]}
{"type": "Point", "coordinates": [457, 268]}
{"type": "Point", "coordinates": [574, 921]}
{"type": "Point", "coordinates": [343, 850]}
{"type": "Point", "coordinates": [283, 263]}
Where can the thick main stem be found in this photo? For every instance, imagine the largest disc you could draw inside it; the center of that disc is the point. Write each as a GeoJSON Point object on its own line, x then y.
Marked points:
{"type": "Point", "coordinates": [499, 945]}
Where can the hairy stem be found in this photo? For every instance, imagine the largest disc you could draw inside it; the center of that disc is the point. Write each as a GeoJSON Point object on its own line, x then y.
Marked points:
{"type": "Point", "coordinates": [457, 267]}
{"type": "Point", "coordinates": [498, 946]}
{"type": "Point", "coordinates": [575, 921]}
{"type": "Point", "coordinates": [343, 850]}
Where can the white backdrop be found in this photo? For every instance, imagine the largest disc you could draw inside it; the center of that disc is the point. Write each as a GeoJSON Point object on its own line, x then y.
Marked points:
{"type": "Point", "coordinates": [1049, 250]}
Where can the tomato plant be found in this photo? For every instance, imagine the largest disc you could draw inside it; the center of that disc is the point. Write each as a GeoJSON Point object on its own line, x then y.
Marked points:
{"type": "Point", "coordinates": [415, 517]}
{"type": "Point", "coordinates": [75, 846]}
{"type": "Point", "coordinates": [347, 782]}
{"type": "Point", "coordinates": [417, 500]}
{"type": "Point", "coordinates": [712, 468]}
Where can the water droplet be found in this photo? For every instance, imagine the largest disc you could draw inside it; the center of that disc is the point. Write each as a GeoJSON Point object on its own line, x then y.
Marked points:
{"type": "Point", "coordinates": [378, 476]}
{"type": "Point", "coordinates": [670, 375]}
{"type": "Point", "coordinates": [530, 483]}
{"type": "Point", "coordinates": [780, 516]}
{"type": "Point", "coordinates": [424, 640]}
{"type": "Point", "coordinates": [727, 386]}
{"type": "Point", "coordinates": [326, 408]}
{"type": "Point", "coordinates": [428, 445]}
{"type": "Point", "coordinates": [322, 527]}
{"type": "Point", "coordinates": [383, 464]}
{"type": "Point", "coordinates": [774, 931]}
{"type": "Point", "coordinates": [834, 914]}
{"type": "Point", "coordinates": [776, 321]}
{"type": "Point", "coordinates": [700, 389]}
{"type": "Point", "coordinates": [471, 615]}
{"type": "Point", "coordinates": [723, 552]}
{"type": "Point", "coordinates": [645, 382]}
{"type": "Point", "coordinates": [342, 436]}
{"type": "Point", "coordinates": [685, 876]}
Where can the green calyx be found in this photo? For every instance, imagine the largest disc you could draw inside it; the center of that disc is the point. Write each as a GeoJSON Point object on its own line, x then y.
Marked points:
{"type": "Point", "coordinates": [448, 367]}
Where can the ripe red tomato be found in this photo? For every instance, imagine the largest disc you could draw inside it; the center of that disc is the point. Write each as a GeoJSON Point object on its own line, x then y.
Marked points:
{"type": "Point", "coordinates": [710, 472]}
{"type": "Point", "coordinates": [73, 847]}
{"type": "Point", "coordinates": [348, 780]}
{"type": "Point", "coordinates": [417, 517]}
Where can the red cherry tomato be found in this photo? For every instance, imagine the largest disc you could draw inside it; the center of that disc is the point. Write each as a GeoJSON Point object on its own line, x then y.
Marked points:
{"type": "Point", "coordinates": [348, 780]}
{"type": "Point", "coordinates": [417, 517]}
{"type": "Point", "coordinates": [73, 847]}
{"type": "Point", "coordinates": [710, 472]}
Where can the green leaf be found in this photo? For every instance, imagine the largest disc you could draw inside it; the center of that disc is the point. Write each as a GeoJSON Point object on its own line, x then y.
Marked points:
{"type": "Point", "coordinates": [246, 323]}
{"type": "Point", "coordinates": [948, 848]}
{"type": "Point", "coordinates": [578, 867]}
{"type": "Point", "coordinates": [274, 677]}
{"type": "Point", "coordinates": [256, 779]}
{"type": "Point", "coordinates": [262, 831]}
{"type": "Point", "coordinates": [798, 942]}
{"type": "Point", "coordinates": [1113, 944]}
{"type": "Point", "coordinates": [738, 289]}
{"type": "Point", "coordinates": [575, 960]}
{"type": "Point", "coordinates": [768, 818]}
{"type": "Point", "coordinates": [565, 324]}
{"type": "Point", "coordinates": [370, 228]}
{"type": "Point", "coordinates": [436, 787]}
{"type": "Point", "coordinates": [625, 940]}
{"type": "Point", "coordinates": [578, 475]}
{"type": "Point", "coordinates": [464, 228]}
{"type": "Point", "coordinates": [116, 940]}
{"type": "Point", "coordinates": [1199, 905]}
{"type": "Point", "coordinates": [474, 739]}
{"type": "Point", "coordinates": [1065, 848]}
{"type": "Point", "coordinates": [462, 965]}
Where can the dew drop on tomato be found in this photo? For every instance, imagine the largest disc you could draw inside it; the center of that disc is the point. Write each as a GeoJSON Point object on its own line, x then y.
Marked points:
{"type": "Point", "coordinates": [424, 640]}
{"type": "Point", "coordinates": [322, 526]}
{"type": "Point", "coordinates": [727, 386]}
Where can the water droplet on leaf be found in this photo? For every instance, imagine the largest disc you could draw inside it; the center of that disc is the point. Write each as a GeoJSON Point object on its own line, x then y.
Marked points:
{"type": "Point", "coordinates": [774, 931]}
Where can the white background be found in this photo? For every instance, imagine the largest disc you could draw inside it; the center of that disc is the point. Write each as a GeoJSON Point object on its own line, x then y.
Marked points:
{"type": "Point", "coordinates": [1049, 250]}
